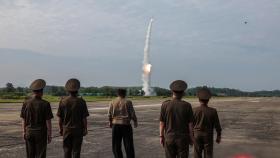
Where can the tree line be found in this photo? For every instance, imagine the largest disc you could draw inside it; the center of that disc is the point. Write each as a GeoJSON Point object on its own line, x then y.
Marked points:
{"type": "Point", "coordinates": [11, 92]}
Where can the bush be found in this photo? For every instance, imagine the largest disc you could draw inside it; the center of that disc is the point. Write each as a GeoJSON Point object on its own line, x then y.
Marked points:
{"type": "Point", "coordinates": [16, 95]}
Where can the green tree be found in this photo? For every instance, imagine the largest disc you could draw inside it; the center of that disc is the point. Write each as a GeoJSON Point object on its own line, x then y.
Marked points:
{"type": "Point", "coordinates": [10, 87]}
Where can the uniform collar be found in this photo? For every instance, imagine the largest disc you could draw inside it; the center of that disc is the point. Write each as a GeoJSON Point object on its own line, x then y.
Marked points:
{"type": "Point", "coordinates": [177, 99]}
{"type": "Point", "coordinates": [73, 96]}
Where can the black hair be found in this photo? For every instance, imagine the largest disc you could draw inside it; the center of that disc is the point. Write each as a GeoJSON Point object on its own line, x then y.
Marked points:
{"type": "Point", "coordinates": [73, 93]}
{"type": "Point", "coordinates": [205, 101]}
{"type": "Point", "coordinates": [121, 92]}
{"type": "Point", "coordinates": [38, 91]}
{"type": "Point", "coordinates": [179, 94]}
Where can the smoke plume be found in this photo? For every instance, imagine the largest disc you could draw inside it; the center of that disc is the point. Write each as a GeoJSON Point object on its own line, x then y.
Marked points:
{"type": "Point", "coordinates": [147, 67]}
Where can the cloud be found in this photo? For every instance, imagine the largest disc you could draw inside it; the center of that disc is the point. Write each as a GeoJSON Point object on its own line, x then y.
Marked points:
{"type": "Point", "coordinates": [197, 33]}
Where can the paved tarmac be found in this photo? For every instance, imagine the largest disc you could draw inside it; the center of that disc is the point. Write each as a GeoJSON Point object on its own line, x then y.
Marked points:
{"type": "Point", "coordinates": [250, 126]}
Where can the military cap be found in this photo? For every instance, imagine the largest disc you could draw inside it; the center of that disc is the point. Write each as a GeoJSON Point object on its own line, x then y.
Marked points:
{"type": "Point", "coordinates": [38, 84]}
{"type": "Point", "coordinates": [178, 85]}
{"type": "Point", "coordinates": [204, 93]}
{"type": "Point", "coordinates": [72, 85]}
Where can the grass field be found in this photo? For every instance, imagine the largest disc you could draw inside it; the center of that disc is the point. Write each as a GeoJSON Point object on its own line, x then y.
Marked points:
{"type": "Point", "coordinates": [87, 98]}
{"type": "Point", "coordinates": [54, 99]}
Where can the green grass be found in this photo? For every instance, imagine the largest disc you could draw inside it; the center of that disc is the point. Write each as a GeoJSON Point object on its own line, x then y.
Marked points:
{"type": "Point", "coordinates": [11, 100]}
{"type": "Point", "coordinates": [100, 98]}
{"type": "Point", "coordinates": [87, 98]}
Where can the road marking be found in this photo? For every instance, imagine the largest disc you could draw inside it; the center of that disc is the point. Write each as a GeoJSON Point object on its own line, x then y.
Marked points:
{"type": "Point", "coordinates": [254, 101]}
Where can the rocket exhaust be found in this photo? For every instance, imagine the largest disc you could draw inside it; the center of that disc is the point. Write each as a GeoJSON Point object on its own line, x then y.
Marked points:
{"type": "Point", "coordinates": [147, 67]}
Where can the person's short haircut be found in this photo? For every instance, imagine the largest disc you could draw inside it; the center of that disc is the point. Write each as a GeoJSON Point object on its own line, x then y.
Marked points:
{"type": "Point", "coordinates": [38, 91]}
{"type": "Point", "coordinates": [204, 93]}
{"type": "Point", "coordinates": [121, 92]}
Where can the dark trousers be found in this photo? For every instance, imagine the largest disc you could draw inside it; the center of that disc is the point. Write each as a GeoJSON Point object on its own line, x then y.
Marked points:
{"type": "Point", "coordinates": [203, 143]}
{"type": "Point", "coordinates": [176, 147]}
{"type": "Point", "coordinates": [122, 133]}
{"type": "Point", "coordinates": [36, 144]}
{"type": "Point", "coordinates": [72, 146]}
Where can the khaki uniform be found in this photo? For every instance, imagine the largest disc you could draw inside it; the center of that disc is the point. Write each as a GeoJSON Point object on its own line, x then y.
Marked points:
{"type": "Point", "coordinates": [205, 120]}
{"type": "Point", "coordinates": [176, 115]}
{"type": "Point", "coordinates": [35, 112]}
{"type": "Point", "coordinates": [72, 111]}
{"type": "Point", "coordinates": [121, 112]}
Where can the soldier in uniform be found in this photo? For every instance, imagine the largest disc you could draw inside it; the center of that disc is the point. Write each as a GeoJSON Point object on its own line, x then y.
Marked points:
{"type": "Point", "coordinates": [36, 117]}
{"type": "Point", "coordinates": [176, 123]}
{"type": "Point", "coordinates": [120, 114]}
{"type": "Point", "coordinates": [205, 120]}
{"type": "Point", "coordinates": [72, 113]}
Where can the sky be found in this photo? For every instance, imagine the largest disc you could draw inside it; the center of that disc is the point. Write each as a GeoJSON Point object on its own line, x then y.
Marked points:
{"type": "Point", "coordinates": [101, 42]}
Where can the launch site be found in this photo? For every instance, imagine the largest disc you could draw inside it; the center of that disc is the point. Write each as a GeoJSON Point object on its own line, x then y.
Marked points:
{"type": "Point", "coordinates": [144, 79]}
{"type": "Point", "coordinates": [250, 126]}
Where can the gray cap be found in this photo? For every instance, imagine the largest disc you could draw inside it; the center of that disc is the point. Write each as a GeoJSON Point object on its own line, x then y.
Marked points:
{"type": "Point", "coordinates": [72, 85]}
{"type": "Point", "coordinates": [178, 85]}
{"type": "Point", "coordinates": [38, 84]}
{"type": "Point", "coordinates": [204, 93]}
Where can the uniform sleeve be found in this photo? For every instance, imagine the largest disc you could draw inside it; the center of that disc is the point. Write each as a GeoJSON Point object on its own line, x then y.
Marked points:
{"type": "Point", "coordinates": [217, 124]}
{"type": "Point", "coordinates": [60, 112]}
{"type": "Point", "coordinates": [162, 114]}
{"type": "Point", "coordinates": [23, 109]}
{"type": "Point", "coordinates": [110, 111]}
{"type": "Point", "coordinates": [85, 110]}
{"type": "Point", "coordinates": [49, 114]}
{"type": "Point", "coordinates": [132, 112]}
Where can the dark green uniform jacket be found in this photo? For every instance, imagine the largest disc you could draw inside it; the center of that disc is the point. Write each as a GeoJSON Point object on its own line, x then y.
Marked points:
{"type": "Point", "coordinates": [72, 111]}
{"type": "Point", "coordinates": [36, 111]}
{"type": "Point", "coordinates": [176, 115]}
{"type": "Point", "coordinates": [205, 121]}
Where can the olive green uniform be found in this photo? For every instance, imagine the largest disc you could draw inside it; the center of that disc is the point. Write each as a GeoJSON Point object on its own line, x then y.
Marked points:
{"type": "Point", "coordinates": [72, 111]}
{"type": "Point", "coordinates": [205, 120]}
{"type": "Point", "coordinates": [176, 115]}
{"type": "Point", "coordinates": [35, 112]}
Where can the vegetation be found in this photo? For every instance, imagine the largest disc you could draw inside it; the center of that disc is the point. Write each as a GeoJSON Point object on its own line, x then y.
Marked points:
{"type": "Point", "coordinates": [53, 93]}
{"type": "Point", "coordinates": [227, 92]}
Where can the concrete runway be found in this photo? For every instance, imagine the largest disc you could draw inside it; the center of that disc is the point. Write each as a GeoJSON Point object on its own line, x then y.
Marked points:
{"type": "Point", "coordinates": [250, 126]}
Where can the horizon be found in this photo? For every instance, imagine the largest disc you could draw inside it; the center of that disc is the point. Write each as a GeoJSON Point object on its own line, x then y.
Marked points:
{"type": "Point", "coordinates": [129, 86]}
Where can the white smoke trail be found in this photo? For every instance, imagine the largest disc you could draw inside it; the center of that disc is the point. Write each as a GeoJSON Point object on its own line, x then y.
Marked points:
{"type": "Point", "coordinates": [146, 76]}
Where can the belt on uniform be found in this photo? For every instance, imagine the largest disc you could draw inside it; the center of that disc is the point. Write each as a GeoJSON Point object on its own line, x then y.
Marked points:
{"type": "Point", "coordinates": [121, 121]}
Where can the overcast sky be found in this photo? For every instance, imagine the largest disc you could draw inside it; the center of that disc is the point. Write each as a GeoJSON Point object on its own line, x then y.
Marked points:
{"type": "Point", "coordinates": [202, 42]}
